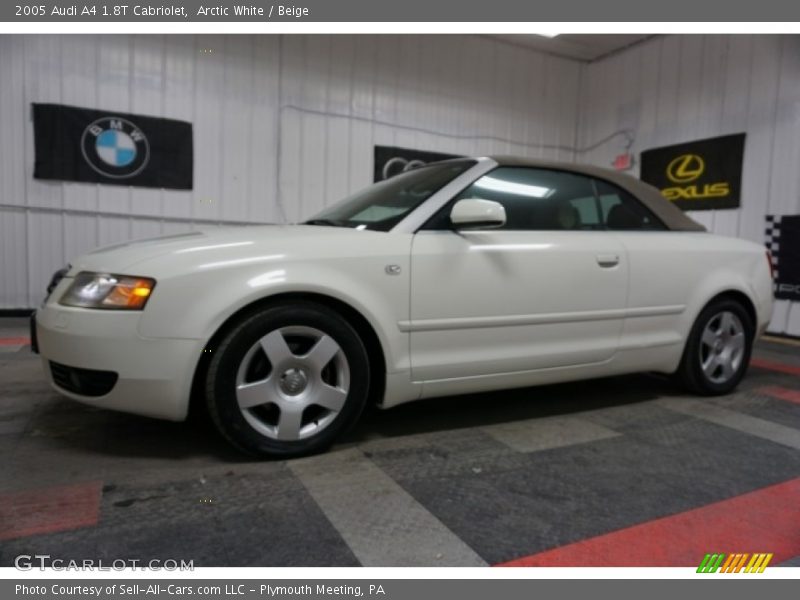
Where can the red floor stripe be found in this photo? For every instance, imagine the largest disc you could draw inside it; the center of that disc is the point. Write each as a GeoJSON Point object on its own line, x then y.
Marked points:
{"type": "Point", "coordinates": [47, 510]}
{"type": "Point", "coordinates": [15, 341]}
{"type": "Point", "coordinates": [766, 520]}
{"type": "Point", "coordinates": [781, 393]}
{"type": "Point", "coordinates": [773, 366]}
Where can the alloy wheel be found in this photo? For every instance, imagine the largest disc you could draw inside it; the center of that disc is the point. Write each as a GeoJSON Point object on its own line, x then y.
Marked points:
{"type": "Point", "coordinates": [722, 347]}
{"type": "Point", "coordinates": [292, 383]}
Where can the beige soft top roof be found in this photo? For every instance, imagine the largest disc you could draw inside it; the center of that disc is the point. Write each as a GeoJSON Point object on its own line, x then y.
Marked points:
{"type": "Point", "coordinates": [672, 216]}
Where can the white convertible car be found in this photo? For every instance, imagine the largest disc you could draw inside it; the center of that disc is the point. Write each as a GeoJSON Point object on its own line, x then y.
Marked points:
{"type": "Point", "coordinates": [456, 277]}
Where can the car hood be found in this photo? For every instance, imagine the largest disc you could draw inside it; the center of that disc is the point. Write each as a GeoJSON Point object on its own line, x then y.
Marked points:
{"type": "Point", "coordinates": [218, 244]}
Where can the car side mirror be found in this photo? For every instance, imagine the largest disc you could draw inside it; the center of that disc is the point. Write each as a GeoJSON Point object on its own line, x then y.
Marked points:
{"type": "Point", "coordinates": [474, 213]}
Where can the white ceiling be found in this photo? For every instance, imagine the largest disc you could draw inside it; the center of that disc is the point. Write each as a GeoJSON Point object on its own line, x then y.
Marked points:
{"type": "Point", "coordinates": [578, 46]}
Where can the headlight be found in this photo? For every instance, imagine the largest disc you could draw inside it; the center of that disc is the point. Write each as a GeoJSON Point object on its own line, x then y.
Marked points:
{"type": "Point", "coordinates": [102, 290]}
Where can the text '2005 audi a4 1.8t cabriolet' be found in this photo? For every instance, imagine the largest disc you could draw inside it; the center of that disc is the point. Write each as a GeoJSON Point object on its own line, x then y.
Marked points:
{"type": "Point", "coordinates": [460, 276]}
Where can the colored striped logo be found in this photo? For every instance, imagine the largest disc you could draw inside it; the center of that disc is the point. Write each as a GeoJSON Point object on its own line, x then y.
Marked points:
{"type": "Point", "coordinates": [734, 563]}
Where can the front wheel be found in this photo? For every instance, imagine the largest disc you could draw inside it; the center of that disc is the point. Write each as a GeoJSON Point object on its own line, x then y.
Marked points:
{"type": "Point", "coordinates": [718, 350]}
{"type": "Point", "coordinates": [287, 380]}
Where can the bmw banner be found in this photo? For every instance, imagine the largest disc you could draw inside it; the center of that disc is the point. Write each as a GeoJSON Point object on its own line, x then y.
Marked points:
{"type": "Point", "coordinates": [96, 146]}
{"type": "Point", "coordinates": [390, 161]}
{"type": "Point", "coordinates": [701, 175]}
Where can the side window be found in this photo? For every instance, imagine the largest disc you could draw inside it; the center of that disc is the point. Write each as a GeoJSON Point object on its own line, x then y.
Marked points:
{"type": "Point", "coordinates": [623, 212]}
{"type": "Point", "coordinates": [587, 212]}
{"type": "Point", "coordinates": [534, 199]}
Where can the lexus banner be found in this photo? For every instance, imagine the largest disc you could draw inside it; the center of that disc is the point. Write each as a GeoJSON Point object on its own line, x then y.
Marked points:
{"type": "Point", "coordinates": [390, 161]}
{"type": "Point", "coordinates": [702, 175]}
{"type": "Point", "coordinates": [97, 146]}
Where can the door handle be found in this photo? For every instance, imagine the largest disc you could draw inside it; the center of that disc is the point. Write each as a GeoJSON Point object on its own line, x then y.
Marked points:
{"type": "Point", "coordinates": [607, 260]}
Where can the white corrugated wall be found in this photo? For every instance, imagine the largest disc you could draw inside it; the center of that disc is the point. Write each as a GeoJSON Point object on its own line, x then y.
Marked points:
{"type": "Point", "coordinates": [283, 126]}
{"type": "Point", "coordinates": [681, 88]}
{"type": "Point", "coordinates": [286, 124]}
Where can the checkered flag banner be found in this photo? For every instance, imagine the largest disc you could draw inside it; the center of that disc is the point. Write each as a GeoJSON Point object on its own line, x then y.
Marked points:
{"type": "Point", "coordinates": [772, 236]}
{"type": "Point", "coordinates": [782, 239]}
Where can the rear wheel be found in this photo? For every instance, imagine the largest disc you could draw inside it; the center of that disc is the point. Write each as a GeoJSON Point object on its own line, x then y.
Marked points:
{"type": "Point", "coordinates": [718, 349]}
{"type": "Point", "coordinates": [288, 380]}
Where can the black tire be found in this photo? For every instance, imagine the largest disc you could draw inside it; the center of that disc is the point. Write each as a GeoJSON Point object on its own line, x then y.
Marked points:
{"type": "Point", "coordinates": [691, 373]}
{"type": "Point", "coordinates": [242, 427]}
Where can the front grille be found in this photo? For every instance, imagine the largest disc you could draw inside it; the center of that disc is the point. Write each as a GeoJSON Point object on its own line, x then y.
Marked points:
{"type": "Point", "coordinates": [34, 337]}
{"type": "Point", "coordinates": [85, 382]}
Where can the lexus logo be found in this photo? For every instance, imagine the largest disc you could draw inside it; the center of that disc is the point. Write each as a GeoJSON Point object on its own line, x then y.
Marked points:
{"type": "Point", "coordinates": [685, 168]}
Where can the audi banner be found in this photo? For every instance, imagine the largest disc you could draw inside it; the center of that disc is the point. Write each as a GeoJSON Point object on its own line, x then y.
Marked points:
{"type": "Point", "coordinates": [390, 160]}
{"type": "Point", "coordinates": [98, 146]}
{"type": "Point", "coordinates": [702, 175]}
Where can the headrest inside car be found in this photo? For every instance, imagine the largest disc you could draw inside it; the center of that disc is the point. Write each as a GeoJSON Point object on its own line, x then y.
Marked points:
{"type": "Point", "coordinates": [621, 217]}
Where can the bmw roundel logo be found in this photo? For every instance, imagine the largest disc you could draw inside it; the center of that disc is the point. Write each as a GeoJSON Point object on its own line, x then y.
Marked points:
{"type": "Point", "coordinates": [115, 147]}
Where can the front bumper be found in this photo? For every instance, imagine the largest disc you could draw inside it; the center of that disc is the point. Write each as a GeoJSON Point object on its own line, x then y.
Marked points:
{"type": "Point", "coordinates": [154, 375]}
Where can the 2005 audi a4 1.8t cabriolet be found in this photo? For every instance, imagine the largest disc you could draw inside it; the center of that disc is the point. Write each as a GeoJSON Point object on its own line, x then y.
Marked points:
{"type": "Point", "coordinates": [461, 276]}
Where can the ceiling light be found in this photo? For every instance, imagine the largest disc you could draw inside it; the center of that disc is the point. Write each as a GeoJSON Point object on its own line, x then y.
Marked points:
{"type": "Point", "coordinates": [510, 187]}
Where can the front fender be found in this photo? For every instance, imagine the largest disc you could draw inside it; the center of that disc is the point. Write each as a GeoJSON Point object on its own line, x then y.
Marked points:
{"type": "Point", "coordinates": [196, 304]}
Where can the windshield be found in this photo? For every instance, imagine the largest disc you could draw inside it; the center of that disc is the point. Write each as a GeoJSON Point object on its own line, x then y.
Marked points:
{"type": "Point", "coordinates": [382, 205]}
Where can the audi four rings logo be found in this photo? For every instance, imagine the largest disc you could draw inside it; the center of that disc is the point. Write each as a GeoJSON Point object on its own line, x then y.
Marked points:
{"type": "Point", "coordinates": [397, 165]}
{"type": "Point", "coordinates": [115, 147]}
{"type": "Point", "coordinates": [686, 168]}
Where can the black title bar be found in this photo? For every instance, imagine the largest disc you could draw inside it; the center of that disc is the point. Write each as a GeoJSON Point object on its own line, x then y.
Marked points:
{"type": "Point", "coordinates": [463, 11]}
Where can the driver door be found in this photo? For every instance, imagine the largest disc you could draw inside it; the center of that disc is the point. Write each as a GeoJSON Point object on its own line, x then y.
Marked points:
{"type": "Point", "coordinates": [546, 290]}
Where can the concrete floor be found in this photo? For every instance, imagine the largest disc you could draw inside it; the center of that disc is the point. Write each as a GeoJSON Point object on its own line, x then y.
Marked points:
{"type": "Point", "coordinates": [622, 471]}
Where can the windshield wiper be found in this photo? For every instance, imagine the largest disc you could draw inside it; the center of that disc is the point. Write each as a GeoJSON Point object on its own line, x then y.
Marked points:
{"type": "Point", "coordinates": [330, 222]}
